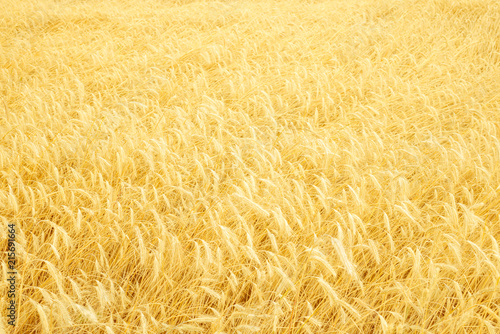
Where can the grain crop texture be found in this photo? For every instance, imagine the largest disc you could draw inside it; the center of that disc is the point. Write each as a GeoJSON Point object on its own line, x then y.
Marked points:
{"type": "Point", "coordinates": [251, 166]}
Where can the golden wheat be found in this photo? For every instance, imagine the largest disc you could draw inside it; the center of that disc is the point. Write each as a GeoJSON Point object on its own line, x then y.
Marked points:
{"type": "Point", "coordinates": [251, 166]}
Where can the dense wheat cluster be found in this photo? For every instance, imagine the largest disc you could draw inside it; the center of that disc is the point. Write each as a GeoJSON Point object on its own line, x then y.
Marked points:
{"type": "Point", "coordinates": [251, 166]}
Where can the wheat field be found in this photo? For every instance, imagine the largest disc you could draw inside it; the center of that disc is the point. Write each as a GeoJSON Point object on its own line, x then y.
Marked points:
{"type": "Point", "coordinates": [251, 166]}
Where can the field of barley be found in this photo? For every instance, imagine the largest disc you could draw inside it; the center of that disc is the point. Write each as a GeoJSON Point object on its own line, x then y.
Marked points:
{"type": "Point", "coordinates": [251, 166]}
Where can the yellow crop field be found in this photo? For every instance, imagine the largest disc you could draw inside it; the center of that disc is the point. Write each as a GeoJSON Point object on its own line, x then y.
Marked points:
{"type": "Point", "coordinates": [250, 166]}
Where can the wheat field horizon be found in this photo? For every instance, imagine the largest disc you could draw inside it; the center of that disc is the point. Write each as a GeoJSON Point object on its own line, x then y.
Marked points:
{"type": "Point", "coordinates": [250, 166]}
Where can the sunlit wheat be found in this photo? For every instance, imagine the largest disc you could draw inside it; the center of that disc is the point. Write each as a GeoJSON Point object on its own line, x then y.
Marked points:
{"type": "Point", "coordinates": [264, 166]}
